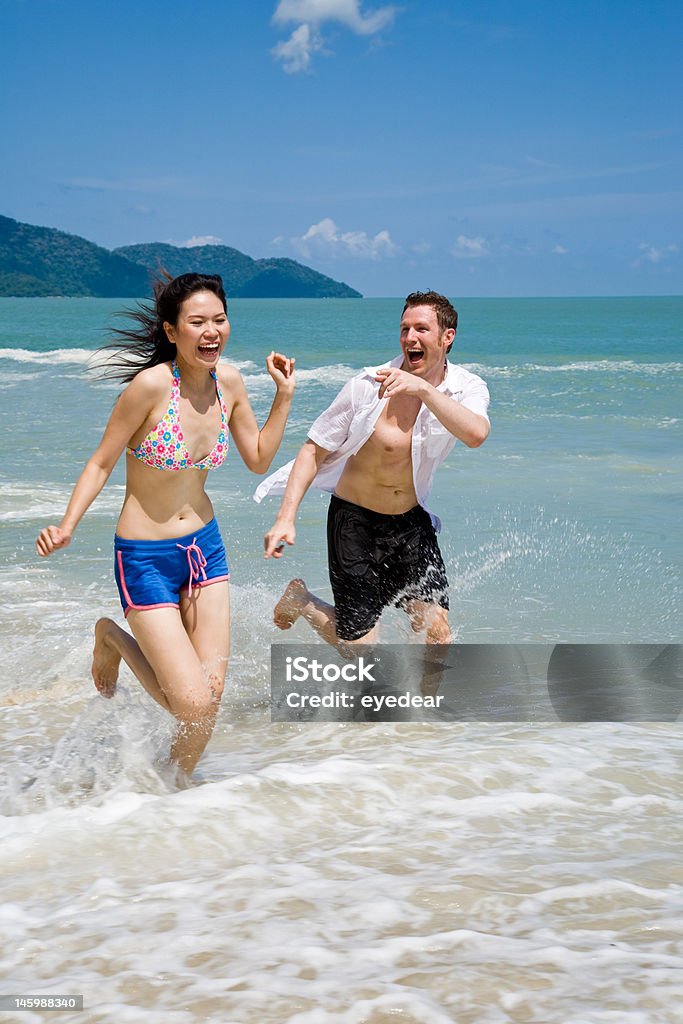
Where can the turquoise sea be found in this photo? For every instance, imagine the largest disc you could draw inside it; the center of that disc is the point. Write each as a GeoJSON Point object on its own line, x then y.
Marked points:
{"type": "Point", "coordinates": [427, 873]}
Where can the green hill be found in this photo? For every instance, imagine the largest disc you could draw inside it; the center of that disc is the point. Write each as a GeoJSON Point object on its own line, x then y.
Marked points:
{"type": "Point", "coordinates": [243, 277]}
{"type": "Point", "coordinates": [43, 261]}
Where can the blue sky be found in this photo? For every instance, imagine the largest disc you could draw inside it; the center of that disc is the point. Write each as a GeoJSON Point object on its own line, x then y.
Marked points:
{"type": "Point", "coordinates": [492, 148]}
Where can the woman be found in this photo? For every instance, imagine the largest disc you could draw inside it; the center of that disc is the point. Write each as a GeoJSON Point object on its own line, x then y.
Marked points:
{"type": "Point", "coordinates": [170, 562]}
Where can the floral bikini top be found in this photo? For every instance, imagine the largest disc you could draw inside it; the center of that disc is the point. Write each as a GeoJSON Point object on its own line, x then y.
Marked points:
{"type": "Point", "coordinates": [164, 447]}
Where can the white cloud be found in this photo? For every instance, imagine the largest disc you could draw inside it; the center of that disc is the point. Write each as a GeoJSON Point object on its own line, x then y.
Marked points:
{"type": "Point", "coordinates": [655, 255]}
{"type": "Point", "coordinates": [295, 52]}
{"type": "Point", "coordinates": [195, 241]}
{"type": "Point", "coordinates": [347, 12]}
{"type": "Point", "coordinates": [325, 239]}
{"type": "Point", "coordinates": [470, 248]}
{"type": "Point", "coordinates": [560, 250]}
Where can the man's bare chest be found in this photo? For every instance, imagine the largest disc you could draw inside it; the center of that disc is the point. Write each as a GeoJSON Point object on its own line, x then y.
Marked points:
{"type": "Point", "coordinates": [393, 431]}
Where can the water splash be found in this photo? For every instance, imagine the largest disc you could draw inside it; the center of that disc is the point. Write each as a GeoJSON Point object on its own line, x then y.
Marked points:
{"type": "Point", "coordinates": [542, 577]}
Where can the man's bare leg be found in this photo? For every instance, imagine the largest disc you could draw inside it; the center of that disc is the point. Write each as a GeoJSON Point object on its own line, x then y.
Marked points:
{"type": "Point", "coordinates": [432, 621]}
{"type": "Point", "coordinates": [298, 601]}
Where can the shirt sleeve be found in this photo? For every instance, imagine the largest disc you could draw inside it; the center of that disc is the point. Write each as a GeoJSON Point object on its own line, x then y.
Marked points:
{"type": "Point", "coordinates": [475, 396]}
{"type": "Point", "coordinates": [331, 429]}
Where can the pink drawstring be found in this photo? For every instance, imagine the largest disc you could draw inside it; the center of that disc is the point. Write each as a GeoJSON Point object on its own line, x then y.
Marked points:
{"type": "Point", "coordinates": [195, 561]}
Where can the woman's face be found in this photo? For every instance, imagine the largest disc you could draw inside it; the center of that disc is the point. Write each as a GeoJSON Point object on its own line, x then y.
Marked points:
{"type": "Point", "coordinates": [201, 331]}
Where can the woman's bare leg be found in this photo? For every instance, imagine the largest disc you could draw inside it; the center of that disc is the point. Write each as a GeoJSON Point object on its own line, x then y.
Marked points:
{"type": "Point", "coordinates": [112, 644]}
{"type": "Point", "coordinates": [298, 601]}
{"type": "Point", "coordinates": [206, 618]}
{"type": "Point", "coordinates": [180, 657]}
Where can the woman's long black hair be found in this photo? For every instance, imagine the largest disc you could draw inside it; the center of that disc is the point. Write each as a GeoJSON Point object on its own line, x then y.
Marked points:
{"type": "Point", "coordinates": [137, 348]}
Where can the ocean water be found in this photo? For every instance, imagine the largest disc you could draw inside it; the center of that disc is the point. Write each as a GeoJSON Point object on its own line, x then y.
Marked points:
{"type": "Point", "coordinates": [321, 873]}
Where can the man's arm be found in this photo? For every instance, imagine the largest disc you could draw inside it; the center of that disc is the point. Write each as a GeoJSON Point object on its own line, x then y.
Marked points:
{"type": "Point", "coordinates": [469, 427]}
{"type": "Point", "coordinates": [305, 468]}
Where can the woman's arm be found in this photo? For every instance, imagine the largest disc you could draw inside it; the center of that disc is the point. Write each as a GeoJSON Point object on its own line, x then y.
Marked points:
{"type": "Point", "coordinates": [128, 414]}
{"type": "Point", "coordinates": [258, 447]}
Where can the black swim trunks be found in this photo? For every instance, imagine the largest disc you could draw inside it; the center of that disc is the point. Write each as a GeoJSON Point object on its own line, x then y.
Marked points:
{"type": "Point", "coordinates": [376, 560]}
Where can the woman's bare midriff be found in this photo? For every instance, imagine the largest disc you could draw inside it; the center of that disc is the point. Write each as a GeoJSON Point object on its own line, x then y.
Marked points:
{"type": "Point", "coordinates": [160, 504]}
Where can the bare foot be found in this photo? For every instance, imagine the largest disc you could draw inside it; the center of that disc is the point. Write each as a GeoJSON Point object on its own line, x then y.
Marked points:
{"type": "Point", "coordinates": [291, 604]}
{"type": "Point", "coordinates": [105, 659]}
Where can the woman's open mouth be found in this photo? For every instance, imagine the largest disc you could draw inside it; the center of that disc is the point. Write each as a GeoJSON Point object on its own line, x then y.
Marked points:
{"type": "Point", "coordinates": [209, 349]}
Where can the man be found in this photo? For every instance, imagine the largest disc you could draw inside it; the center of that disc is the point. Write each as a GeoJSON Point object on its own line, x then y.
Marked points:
{"type": "Point", "coordinates": [376, 448]}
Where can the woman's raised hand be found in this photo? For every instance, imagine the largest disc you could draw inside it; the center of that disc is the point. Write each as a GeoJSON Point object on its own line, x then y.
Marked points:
{"type": "Point", "coordinates": [281, 369]}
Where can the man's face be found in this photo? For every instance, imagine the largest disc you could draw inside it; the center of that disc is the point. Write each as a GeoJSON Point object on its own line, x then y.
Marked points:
{"type": "Point", "coordinates": [423, 342]}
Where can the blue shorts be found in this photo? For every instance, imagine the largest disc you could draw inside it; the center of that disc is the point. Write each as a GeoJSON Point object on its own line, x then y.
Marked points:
{"type": "Point", "coordinates": [153, 573]}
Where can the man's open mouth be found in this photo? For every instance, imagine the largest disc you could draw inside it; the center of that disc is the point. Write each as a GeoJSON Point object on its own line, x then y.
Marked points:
{"type": "Point", "coordinates": [415, 355]}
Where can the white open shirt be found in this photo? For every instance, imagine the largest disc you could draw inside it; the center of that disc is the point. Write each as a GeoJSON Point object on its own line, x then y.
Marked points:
{"type": "Point", "coordinates": [345, 426]}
